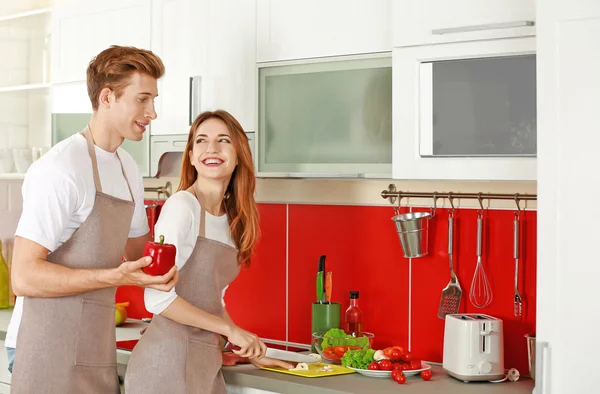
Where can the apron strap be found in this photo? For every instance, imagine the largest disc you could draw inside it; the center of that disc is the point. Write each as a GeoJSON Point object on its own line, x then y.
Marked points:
{"type": "Point", "coordinates": [125, 176]}
{"type": "Point", "coordinates": [92, 152]}
{"type": "Point", "coordinates": [202, 231]}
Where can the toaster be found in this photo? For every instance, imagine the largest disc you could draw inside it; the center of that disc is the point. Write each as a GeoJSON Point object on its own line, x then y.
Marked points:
{"type": "Point", "coordinates": [473, 347]}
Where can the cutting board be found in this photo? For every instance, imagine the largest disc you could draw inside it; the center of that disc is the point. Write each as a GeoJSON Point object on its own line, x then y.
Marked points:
{"type": "Point", "coordinates": [313, 371]}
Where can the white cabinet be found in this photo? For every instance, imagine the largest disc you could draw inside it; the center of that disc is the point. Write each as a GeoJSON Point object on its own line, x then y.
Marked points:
{"type": "Point", "coordinates": [465, 111]}
{"type": "Point", "coordinates": [208, 49]}
{"type": "Point", "coordinates": [82, 29]}
{"type": "Point", "coordinates": [290, 29]}
{"type": "Point", "coordinates": [568, 86]}
{"type": "Point", "coordinates": [418, 22]}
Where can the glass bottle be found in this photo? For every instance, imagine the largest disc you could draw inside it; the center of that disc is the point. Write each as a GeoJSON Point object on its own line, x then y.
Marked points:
{"type": "Point", "coordinates": [354, 315]}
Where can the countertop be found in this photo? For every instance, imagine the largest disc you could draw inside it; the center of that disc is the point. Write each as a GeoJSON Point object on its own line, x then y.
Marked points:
{"type": "Point", "coordinates": [246, 375]}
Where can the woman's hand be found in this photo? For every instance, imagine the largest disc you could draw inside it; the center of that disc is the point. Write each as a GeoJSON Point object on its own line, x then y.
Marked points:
{"type": "Point", "coordinates": [270, 363]}
{"type": "Point", "coordinates": [248, 343]}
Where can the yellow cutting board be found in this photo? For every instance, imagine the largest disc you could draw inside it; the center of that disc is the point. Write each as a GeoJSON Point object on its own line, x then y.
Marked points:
{"type": "Point", "coordinates": [313, 371]}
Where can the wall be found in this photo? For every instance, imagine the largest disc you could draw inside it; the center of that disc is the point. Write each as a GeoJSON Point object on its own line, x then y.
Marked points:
{"type": "Point", "coordinates": [350, 223]}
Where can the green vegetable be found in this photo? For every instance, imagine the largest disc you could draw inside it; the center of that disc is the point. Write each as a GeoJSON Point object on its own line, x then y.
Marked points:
{"type": "Point", "coordinates": [337, 337]}
{"type": "Point", "coordinates": [358, 358]}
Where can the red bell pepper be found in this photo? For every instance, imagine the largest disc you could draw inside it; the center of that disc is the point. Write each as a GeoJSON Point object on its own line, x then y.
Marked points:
{"type": "Point", "coordinates": [163, 257]}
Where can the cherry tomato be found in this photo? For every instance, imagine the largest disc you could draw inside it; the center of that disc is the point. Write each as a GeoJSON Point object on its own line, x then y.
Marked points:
{"type": "Point", "coordinates": [395, 354]}
{"type": "Point", "coordinates": [374, 366]}
{"type": "Point", "coordinates": [426, 375]}
{"type": "Point", "coordinates": [405, 366]}
{"type": "Point", "coordinates": [396, 372]}
{"type": "Point", "coordinates": [400, 378]}
{"type": "Point", "coordinates": [385, 365]}
{"type": "Point", "coordinates": [397, 367]}
{"type": "Point", "coordinates": [407, 357]}
{"type": "Point", "coordinates": [415, 364]}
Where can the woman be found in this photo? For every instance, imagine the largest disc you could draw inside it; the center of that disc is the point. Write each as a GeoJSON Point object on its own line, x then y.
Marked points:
{"type": "Point", "coordinates": [213, 222]}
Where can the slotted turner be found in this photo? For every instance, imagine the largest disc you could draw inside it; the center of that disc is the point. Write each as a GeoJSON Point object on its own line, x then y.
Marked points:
{"type": "Point", "coordinates": [452, 293]}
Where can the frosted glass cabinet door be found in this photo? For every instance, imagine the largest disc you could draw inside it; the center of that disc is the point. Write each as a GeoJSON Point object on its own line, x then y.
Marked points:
{"type": "Point", "coordinates": [479, 107]}
{"type": "Point", "coordinates": [326, 118]}
{"type": "Point", "coordinates": [65, 125]}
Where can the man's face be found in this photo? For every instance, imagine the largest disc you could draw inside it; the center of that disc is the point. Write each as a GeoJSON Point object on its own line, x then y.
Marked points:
{"type": "Point", "coordinates": [133, 111]}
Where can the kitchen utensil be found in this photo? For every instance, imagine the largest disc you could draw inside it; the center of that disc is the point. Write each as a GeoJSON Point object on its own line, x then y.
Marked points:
{"type": "Point", "coordinates": [290, 356]}
{"type": "Point", "coordinates": [324, 317]}
{"type": "Point", "coordinates": [328, 286]}
{"type": "Point", "coordinates": [321, 279]}
{"type": "Point", "coordinates": [452, 293]}
{"type": "Point", "coordinates": [518, 301]}
{"type": "Point", "coordinates": [280, 354]}
{"type": "Point", "coordinates": [531, 354]}
{"type": "Point", "coordinates": [473, 347]}
{"type": "Point", "coordinates": [413, 230]}
{"type": "Point", "coordinates": [481, 291]}
{"type": "Point", "coordinates": [314, 371]}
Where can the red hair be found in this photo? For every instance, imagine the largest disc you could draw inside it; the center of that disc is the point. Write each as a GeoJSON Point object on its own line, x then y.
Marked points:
{"type": "Point", "coordinates": [239, 203]}
{"type": "Point", "coordinates": [113, 67]}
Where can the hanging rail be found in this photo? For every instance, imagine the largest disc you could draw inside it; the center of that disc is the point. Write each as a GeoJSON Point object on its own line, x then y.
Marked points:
{"type": "Point", "coordinates": [392, 195]}
{"type": "Point", "coordinates": [166, 190]}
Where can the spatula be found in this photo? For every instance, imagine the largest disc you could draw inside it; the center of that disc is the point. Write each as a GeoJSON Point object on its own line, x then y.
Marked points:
{"type": "Point", "coordinates": [452, 293]}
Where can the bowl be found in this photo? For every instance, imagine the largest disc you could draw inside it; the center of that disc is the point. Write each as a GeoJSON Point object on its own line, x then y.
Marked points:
{"type": "Point", "coordinates": [333, 349]}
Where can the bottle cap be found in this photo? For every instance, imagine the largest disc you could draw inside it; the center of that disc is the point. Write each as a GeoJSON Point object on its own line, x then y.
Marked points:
{"type": "Point", "coordinates": [353, 294]}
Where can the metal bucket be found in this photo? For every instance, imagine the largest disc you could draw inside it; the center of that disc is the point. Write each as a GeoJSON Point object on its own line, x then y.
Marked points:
{"type": "Point", "coordinates": [531, 354]}
{"type": "Point", "coordinates": [413, 230]}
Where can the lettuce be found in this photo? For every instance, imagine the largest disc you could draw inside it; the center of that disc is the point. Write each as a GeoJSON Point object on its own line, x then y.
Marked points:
{"type": "Point", "coordinates": [337, 337]}
{"type": "Point", "coordinates": [358, 358]}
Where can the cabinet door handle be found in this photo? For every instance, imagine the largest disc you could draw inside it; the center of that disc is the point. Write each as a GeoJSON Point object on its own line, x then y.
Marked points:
{"type": "Point", "coordinates": [195, 96]}
{"type": "Point", "coordinates": [540, 368]}
{"type": "Point", "coordinates": [490, 26]}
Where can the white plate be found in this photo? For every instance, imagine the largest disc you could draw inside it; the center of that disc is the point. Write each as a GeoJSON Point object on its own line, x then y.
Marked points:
{"type": "Point", "coordinates": [388, 374]}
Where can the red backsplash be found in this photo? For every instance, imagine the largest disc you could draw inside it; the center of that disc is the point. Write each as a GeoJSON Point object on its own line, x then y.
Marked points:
{"type": "Point", "coordinates": [364, 253]}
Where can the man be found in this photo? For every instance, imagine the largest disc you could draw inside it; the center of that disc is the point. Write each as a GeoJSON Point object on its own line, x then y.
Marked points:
{"type": "Point", "coordinates": [83, 209]}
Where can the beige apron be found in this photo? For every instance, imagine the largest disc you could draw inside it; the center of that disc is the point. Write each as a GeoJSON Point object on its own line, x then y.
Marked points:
{"type": "Point", "coordinates": [178, 359]}
{"type": "Point", "coordinates": [66, 345]}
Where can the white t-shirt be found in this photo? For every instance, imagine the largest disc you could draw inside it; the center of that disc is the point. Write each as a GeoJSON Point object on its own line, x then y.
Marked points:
{"type": "Point", "coordinates": [59, 193]}
{"type": "Point", "coordinates": [179, 222]}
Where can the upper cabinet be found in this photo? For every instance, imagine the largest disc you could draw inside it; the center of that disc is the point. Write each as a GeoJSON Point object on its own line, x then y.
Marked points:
{"type": "Point", "coordinates": [465, 111]}
{"type": "Point", "coordinates": [209, 52]}
{"type": "Point", "coordinates": [419, 22]}
{"type": "Point", "coordinates": [289, 29]}
{"type": "Point", "coordinates": [82, 29]}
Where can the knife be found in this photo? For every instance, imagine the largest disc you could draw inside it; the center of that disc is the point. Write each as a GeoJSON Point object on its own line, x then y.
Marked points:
{"type": "Point", "coordinates": [321, 279]}
{"type": "Point", "coordinates": [280, 354]}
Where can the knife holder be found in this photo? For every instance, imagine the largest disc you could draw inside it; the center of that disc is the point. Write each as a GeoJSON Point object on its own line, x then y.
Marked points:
{"type": "Point", "coordinates": [324, 317]}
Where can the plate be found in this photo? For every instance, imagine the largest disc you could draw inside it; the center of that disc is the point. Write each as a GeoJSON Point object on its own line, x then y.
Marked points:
{"type": "Point", "coordinates": [388, 374]}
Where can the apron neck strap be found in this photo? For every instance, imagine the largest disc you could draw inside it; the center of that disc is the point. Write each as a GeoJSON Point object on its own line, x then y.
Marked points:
{"type": "Point", "coordinates": [202, 232]}
{"type": "Point", "coordinates": [87, 133]}
{"type": "Point", "coordinates": [92, 152]}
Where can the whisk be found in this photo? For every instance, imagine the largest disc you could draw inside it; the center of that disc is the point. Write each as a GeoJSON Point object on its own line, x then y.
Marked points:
{"type": "Point", "coordinates": [481, 291]}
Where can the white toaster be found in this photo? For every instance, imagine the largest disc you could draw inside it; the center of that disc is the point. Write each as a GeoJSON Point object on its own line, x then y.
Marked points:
{"type": "Point", "coordinates": [473, 347]}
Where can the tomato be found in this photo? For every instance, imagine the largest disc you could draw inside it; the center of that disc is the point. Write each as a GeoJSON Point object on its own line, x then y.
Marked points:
{"type": "Point", "coordinates": [426, 375]}
{"type": "Point", "coordinates": [404, 366]}
{"type": "Point", "coordinates": [388, 351]}
{"type": "Point", "coordinates": [415, 364]}
{"type": "Point", "coordinates": [330, 354]}
{"type": "Point", "coordinates": [400, 378]}
{"type": "Point", "coordinates": [340, 350]}
{"type": "Point", "coordinates": [397, 367]}
{"type": "Point", "coordinates": [395, 354]}
{"type": "Point", "coordinates": [395, 373]}
{"type": "Point", "coordinates": [407, 357]}
{"type": "Point", "coordinates": [385, 365]}
{"type": "Point", "coordinates": [374, 366]}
